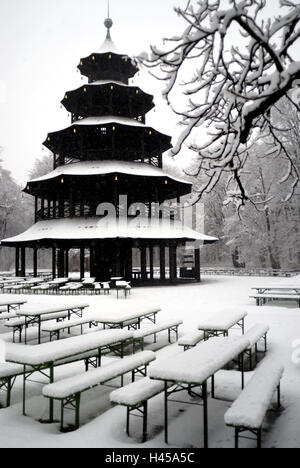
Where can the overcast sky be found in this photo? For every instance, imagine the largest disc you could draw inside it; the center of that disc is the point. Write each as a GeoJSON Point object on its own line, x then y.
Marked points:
{"type": "Point", "coordinates": [41, 43]}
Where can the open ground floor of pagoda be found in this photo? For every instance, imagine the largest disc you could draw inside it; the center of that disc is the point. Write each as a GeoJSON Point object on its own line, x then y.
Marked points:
{"type": "Point", "coordinates": [103, 425]}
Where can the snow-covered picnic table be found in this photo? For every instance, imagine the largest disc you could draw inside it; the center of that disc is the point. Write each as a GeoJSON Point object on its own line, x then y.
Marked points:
{"type": "Point", "coordinates": [43, 357]}
{"type": "Point", "coordinates": [194, 367]}
{"type": "Point", "coordinates": [35, 315]}
{"type": "Point", "coordinates": [120, 317]}
{"type": "Point", "coordinates": [220, 323]}
{"type": "Point", "coordinates": [294, 288]}
{"type": "Point", "coordinates": [12, 304]}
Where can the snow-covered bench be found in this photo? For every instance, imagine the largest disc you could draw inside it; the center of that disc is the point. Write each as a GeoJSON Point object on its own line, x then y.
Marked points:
{"type": "Point", "coordinates": [8, 316]}
{"type": "Point", "coordinates": [262, 299]}
{"type": "Point", "coordinates": [19, 324]}
{"type": "Point", "coordinates": [135, 397]}
{"type": "Point", "coordinates": [254, 335]}
{"type": "Point", "coordinates": [69, 391]}
{"type": "Point", "coordinates": [190, 340]}
{"type": "Point", "coordinates": [248, 412]}
{"type": "Point", "coordinates": [55, 329]}
{"type": "Point", "coordinates": [170, 325]}
{"type": "Point", "coordinates": [8, 374]}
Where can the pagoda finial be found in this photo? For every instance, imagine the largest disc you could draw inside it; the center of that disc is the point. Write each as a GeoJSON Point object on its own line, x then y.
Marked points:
{"type": "Point", "coordinates": [108, 23]}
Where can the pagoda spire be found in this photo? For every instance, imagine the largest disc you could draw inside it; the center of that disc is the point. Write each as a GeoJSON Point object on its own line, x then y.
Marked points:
{"type": "Point", "coordinates": [108, 45]}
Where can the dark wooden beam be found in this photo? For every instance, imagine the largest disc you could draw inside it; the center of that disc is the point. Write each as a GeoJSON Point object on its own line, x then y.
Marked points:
{"type": "Point", "coordinates": [82, 261]}
{"type": "Point", "coordinates": [144, 263]}
{"type": "Point", "coordinates": [162, 259]}
{"type": "Point", "coordinates": [17, 262]}
{"type": "Point", "coordinates": [35, 262]}
{"type": "Point", "coordinates": [197, 266]}
{"type": "Point", "coordinates": [23, 261]}
{"type": "Point", "coordinates": [53, 262]}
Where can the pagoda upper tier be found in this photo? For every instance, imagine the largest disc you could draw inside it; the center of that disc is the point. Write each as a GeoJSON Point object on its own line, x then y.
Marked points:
{"type": "Point", "coordinates": [108, 98]}
{"type": "Point", "coordinates": [96, 138]}
{"type": "Point", "coordinates": [107, 66]}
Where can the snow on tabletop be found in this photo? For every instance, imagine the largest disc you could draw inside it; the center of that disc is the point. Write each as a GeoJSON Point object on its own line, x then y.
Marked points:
{"type": "Point", "coordinates": [44, 318]}
{"type": "Point", "coordinates": [251, 406]}
{"type": "Point", "coordinates": [223, 320]}
{"type": "Point", "coordinates": [81, 382]}
{"type": "Point", "coordinates": [157, 327]}
{"type": "Point", "coordinates": [42, 310]}
{"type": "Point", "coordinates": [11, 302]}
{"type": "Point", "coordinates": [104, 227]}
{"type": "Point", "coordinates": [67, 324]}
{"type": "Point", "coordinates": [137, 392]}
{"type": "Point", "coordinates": [191, 339]}
{"type": "Point", "coordinates": [124, 313]}
{"type": "Point", "coordinates": [54, 351]}
{"type": "Point", "coordinates": [200, 363]}
{"type": "Point", "coordinates": [257, 332]}
{"type": "Point", "coordinates": [109, 167]}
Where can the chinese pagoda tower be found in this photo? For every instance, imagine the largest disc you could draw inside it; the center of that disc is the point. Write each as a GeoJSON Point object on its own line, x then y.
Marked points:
{"type": "Point", "coordinates": [108, 153]}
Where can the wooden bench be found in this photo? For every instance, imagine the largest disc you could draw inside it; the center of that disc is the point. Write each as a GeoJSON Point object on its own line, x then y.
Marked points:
{"type": "Point", "coordinates": [248, 412]}
{"type": "Point", "coordinates": [190, 340]}
{"type": "Point", "coordinates": [8, 316]}
{"type": "Point", "coordinates": [254, 335]}
{"type": "Point", "coordinates": [55, 329]}
{"type": "Point", "coordinates": [262, 299]}
{"type": "Point", "coordinates": [19, 324]}
{"type": "Point", "coordinates": [170, 325]}
{"type": "Point", "coordinates": [69, 391]}
{"type": "Point", "coordinates": [8, 374]}
{"type": "Point", "coordinates": [135, 397]}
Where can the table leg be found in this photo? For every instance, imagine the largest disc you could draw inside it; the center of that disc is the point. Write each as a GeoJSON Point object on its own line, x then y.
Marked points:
{"type": "Point", "coordinates": [24, 391]}
{"type": "Point", "coordinates": [205, 414]}
{"type": "Point", "coordinates": [51, 403]}
{"type": "Point", "coordinates": [242, 370]}
{"type": "Point", "coordinates": [166, 412]}
{"type": "Point", "coordinates": [40, 326]}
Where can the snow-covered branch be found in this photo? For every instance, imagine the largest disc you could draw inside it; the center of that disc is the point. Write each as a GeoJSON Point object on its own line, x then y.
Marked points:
{"type": "Point", "coordinates": [233, 66]}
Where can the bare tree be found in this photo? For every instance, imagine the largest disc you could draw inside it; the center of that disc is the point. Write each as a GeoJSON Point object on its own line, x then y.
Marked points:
{"type": "Point", "coordinates": [240, 65]}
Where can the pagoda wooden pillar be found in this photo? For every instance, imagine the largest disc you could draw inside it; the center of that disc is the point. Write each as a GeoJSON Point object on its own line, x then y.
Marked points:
{"type": "Point", "coordinates": [173, 261]}
{"type": "Point", "coordinates": [35, 262]}
{"type": "Point", "coordinates": [92, 262]}
{"type": "Point", "coordinates": [82, 265]}
{"type": "Point", "coordinates": [197, 266]}
{"type": "Point", "coordinates": [128, 264]}
{"type": "Point", "coordinates": [66, 262]}
{"type": "Point", "coordinates": [23, 261]}
{"type": "Point", "coordinates": [54, 262]}
{"type": "Point", "coordinates": [61, 263]}
{"type": "Point", "coordinates": [17, 262]}
{"type": "Point", "coordinates": [144, 263]}
{"type": "Point", "coordinates": [151, 262]}
{"type": "Point", "coordinates": [162, 261]}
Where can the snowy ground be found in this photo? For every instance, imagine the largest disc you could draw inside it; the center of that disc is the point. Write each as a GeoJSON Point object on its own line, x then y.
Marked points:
{"type": "Point", "coordinates": [104, 425]}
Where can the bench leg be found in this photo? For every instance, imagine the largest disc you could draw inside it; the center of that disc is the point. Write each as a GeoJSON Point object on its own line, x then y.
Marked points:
{"type": "Point", "coordinates": [62, 413]}
{"type": "Point", "coordinates": [278, 397]}
{"type": "Point", "coordinates": [77, 410]}
{"type": "Point", "coordinates": [128, 422]}
{"type": "Point", "coordinates": [259, 438]}
{"type": "Point", "coordinates": [145, 420]}
{"type": "Point", "coordinates": [236, 444]}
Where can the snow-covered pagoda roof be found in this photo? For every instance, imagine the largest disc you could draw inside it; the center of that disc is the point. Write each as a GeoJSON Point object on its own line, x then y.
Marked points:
{"type": "Point", "coordinates": [90, 168]}
{"type": "Point", "coordinates": [108, 228]}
